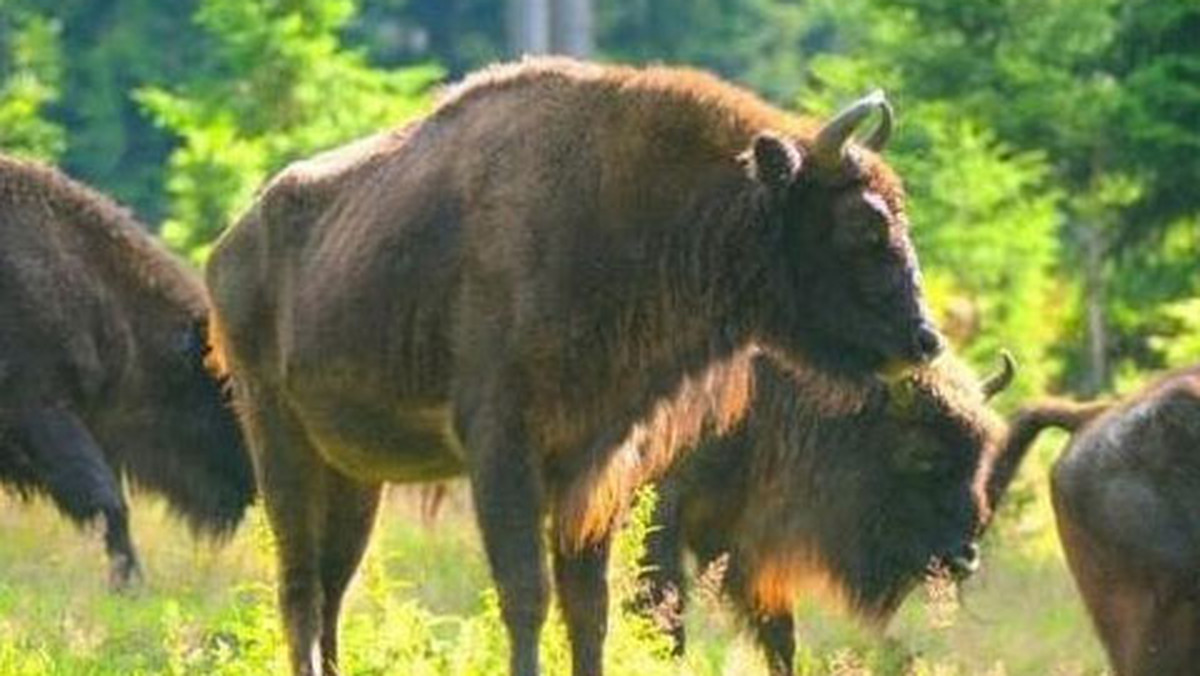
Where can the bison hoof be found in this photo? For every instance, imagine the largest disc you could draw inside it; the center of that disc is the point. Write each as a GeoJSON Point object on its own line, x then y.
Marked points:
{"type": "Point", "coordinates": [124, 575]}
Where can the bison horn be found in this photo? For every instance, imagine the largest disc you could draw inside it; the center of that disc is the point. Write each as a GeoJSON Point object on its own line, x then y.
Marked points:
{"type": "Point", "coordinates": [879, 137]}
{"type": "Point", "coordinates": [999, 381]}
{"type": "Point", "coordinates": [831, 141]}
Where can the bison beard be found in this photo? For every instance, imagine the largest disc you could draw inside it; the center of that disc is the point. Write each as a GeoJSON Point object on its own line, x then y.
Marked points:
{"type": "Point", "coordinates": [539, 285]}
{"type": "Point", "coordinates": [1125, 499]}
{"type": "Point", "coordinates": [102, 371]}
{"type": "Point", "coordinates": [843, 491]}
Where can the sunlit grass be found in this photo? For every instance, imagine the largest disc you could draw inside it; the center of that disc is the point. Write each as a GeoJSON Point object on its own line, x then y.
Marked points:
{"type": "Point", "coordinates": [422, 606]}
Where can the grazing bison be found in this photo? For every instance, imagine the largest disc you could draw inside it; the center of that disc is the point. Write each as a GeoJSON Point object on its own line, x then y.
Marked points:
{"type": "Point", "coordinates": [848, 492]}
{"type": "Point", "coordinates": [534, 285]}
{"type": "Point", "coordinates": [102, 374]}
{"type": "Point", "coordinates": [1126, 496]}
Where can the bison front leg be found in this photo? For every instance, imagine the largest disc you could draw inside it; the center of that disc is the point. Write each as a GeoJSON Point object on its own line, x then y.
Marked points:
{"type": "Point", "coordinates": [506, 485]}
{"type": "Point", "coordinates": [774, 630]}
{"type": "Point", "coordinates": [580, 577]}
{"type": "Point", "coordinates": [72, 466]}
{"type": "Point", "coordinates": [776, 635]}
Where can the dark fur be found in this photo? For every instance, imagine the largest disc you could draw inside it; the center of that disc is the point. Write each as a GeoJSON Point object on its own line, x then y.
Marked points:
{"type": "Point", "coordinates": [102, 371]}
{"type": "Point", "coordinates": [539, 285]}
{"type": "Point", "coordinates": [848, 493]}
{"type": "Point", "coordinates": [1126, 496]}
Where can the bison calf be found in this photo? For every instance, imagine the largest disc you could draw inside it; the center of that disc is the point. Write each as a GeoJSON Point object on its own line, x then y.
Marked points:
{"type": "Point", "coordinates": [519, 287]}
{"type": "Point", "coordinates": [1126, 496]}
{"type": "Point", "coordinates": [102, 374]}
{"type": "Point", "coordinates": [850, 492]}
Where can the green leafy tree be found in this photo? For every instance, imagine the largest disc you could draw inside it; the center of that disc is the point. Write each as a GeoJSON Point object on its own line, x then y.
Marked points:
{"type": "Point", "coordinates": [1105, 91]}
{"type": "Point", "coordinates": [30, 72]}
{"type": "Point", "coordinates": [286, 88]}
{"type": "Point", "coordinates": [109, 47]}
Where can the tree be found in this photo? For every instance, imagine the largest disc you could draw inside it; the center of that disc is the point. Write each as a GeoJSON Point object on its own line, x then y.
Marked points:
{"type": "Point", "coordinates": [29, 82]}
{"type": "Point", "coordinates": [112, 47]}
{"type": "Point", "coordinates": [286, 88]}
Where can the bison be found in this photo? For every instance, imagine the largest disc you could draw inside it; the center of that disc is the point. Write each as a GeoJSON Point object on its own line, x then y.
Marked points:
{"type": "Point", "coordinates": [851, 493]}
{"type": "Point", "coordinates": [1126, 497]}
{"type": "Point", "coordinates": [518, 287]}
{"type": "Point", "coordinates": [102, 367]}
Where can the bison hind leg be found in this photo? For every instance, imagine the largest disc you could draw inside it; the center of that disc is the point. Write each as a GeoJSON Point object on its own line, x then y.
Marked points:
{"type": "Point", "coordinates": [507, 488]}
{"type": "Point", "coordinates": [349, 518]}
{"type": "Point", "coordinates": [321, 521]}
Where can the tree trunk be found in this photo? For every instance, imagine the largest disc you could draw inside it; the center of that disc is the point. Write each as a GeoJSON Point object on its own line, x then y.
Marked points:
{"type": "Point", "coordinates": [528, 26]}
{"type": "Point", "coordinates": [572, 27]}
{"type": "Point", "coordinates": [1095, 248]}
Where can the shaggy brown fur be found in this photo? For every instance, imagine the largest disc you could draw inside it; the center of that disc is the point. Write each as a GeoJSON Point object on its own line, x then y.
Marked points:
{"type": "Point", "coordinates": [1126, 496]}
{"type": "Point", "coordinates": [101, 365]}
{"type": "Point", "coordinates": [538, 284]}
{"type": "Point", "coordinates": [849, 498]}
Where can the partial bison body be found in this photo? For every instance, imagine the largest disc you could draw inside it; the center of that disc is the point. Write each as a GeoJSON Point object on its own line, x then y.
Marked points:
{"type": "Point", "coordinates": [1126, 496]}
{"type": "Point", "coordinates": [851, 493]}
{"type": "Point", "coordinates": [102, 374]}
{"type": "Point", "coordinates": [539, 284]}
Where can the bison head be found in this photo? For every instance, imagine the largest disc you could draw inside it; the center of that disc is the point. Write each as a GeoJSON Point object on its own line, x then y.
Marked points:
{"type": "Point", "coordinates": [177, 434]}
{"type": "Point", "coordinates": [901, 494]}
{"type": "Point", "coordinates": [841, 247]}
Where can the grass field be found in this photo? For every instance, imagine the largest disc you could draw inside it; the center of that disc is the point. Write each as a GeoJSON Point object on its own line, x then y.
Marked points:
{"type": "Point", "coordinates": [421, 607]}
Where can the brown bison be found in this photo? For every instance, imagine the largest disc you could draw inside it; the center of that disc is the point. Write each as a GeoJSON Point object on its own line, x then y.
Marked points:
{"type": "Point", "coordinates": [852, 493]}
{"type": "Point", "coordinates": [102, 374]}
{"type": "Point", "coordinates": [1126, 496]}
{"type": "Point", "coordinates": [518, 287]}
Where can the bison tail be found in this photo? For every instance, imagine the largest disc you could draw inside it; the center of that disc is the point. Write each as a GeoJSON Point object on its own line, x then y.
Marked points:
{"type": "Point", "coordinates": [1023, 430]}
{"type": "Point", "coordinates": [1060, 413]}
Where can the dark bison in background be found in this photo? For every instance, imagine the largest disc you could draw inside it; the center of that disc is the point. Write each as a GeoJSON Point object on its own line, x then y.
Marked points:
{"type": "Point", "coordinates": [519, 287]}
{"type": "Point", "coordinates": [102, 374]}
{"type": "Point", "coordinates": [849, 492]}
{"type": "Point", "coordinates": [1126, 495]}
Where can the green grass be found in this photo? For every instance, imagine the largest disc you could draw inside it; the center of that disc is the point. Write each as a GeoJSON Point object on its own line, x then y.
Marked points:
{"type": "Point", "coordinates": [422, 606]}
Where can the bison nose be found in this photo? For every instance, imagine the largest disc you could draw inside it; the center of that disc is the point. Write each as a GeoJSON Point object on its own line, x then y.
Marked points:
{"type": "Point", "coordinates": [928, 342]}
{"type": "Point", "coordinates": [964, 562]}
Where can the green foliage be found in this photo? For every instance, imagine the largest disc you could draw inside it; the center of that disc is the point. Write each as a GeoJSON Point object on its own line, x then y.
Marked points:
{"type": "Point", "coordinates": [1182, 347]}
{"type": "Point", "coordinates": [1028, 130]}
{"type": "Point", "coordinates": [986, 219]}
{"type": "Point", "coordinates": [284, 88]}
{"type": "Point", "coordinates": [30, 75]}
{"type": "Point", "coordinates": [214, 612]}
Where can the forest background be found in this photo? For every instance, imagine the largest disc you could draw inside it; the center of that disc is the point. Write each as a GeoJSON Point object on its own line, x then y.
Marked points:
{"type": "Point", "coordinates": [1049, 146]}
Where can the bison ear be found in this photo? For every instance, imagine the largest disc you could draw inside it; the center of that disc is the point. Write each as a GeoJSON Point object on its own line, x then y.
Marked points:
{"type": "Point", "coordinates": [774, 161]}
